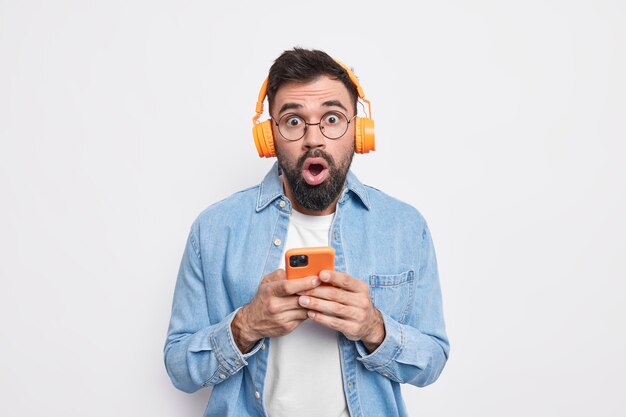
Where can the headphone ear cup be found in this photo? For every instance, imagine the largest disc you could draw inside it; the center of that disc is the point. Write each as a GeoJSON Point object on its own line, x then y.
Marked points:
{"type": "Point", "coordinates": [264, 139]}
{"type": "Point", "coordinates": [364, 135]}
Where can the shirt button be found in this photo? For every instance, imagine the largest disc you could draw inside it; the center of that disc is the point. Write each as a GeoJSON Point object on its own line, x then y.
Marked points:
{"type": "Point", "coordinates": [282, 203]}
{"type": "Point", "coordinates": [350, 384]}
{"type": "Point", "coordinates": [262, 346]}
{"type": "Point", "coordinates": [222, 376]}
{"type": "Point", "coordinates": [277, 242]}
{"type": "Point", "coordinates": [237, 362]}
{"type": "Point", "coordinates": [257, 394]}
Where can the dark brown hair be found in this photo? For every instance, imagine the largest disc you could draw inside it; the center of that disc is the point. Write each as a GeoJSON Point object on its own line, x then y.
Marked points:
{"type": "Point", "coordinates": [304, 65]}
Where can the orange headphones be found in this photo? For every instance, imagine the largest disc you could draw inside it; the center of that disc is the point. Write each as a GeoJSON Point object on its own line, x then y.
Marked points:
{"type": "Point", "coordinates": [264, 139]}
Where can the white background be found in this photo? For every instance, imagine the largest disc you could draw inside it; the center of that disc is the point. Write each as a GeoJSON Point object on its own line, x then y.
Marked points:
{"type": "Point", "coordinates": [502, 122]}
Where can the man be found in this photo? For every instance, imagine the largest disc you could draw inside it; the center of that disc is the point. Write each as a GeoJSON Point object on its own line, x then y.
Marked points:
{"type": "Point", "coordinates": [275, 347]}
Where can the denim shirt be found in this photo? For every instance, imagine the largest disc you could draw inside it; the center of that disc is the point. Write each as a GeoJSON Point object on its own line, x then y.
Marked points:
{"type": "Point", "coordinates": [234, 243]}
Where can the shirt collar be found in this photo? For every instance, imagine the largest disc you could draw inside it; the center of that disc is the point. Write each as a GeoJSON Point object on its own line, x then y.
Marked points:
{"type": "Point", "coordinates": [271, 188]}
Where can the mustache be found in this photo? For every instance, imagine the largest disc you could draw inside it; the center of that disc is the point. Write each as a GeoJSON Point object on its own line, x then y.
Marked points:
{"type": "Point", "coordinates": [315, 153]}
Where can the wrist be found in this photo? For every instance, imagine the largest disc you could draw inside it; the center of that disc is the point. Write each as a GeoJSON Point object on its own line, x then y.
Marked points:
{"type": "Point", "coordinates": [242, 331]}
{"type": "Point", "coordinates": [376, 335]}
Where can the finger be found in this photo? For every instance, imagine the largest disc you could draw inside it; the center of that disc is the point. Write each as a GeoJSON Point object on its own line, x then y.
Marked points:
{"type": "Point", "coordinates": [332, 322]}
{"type": "Point", "coordinates": [327, 307]}
{"type": "Point", "coordinates": [298, 314]}
{"type": "Point", "coordinates": [293, 286]}
{"type": "Point", "coordinates": [332, 293]}
{"type": "Point", "coordinates": [343, 280]}
{"type": "Point", "coordinates": [278, 305]}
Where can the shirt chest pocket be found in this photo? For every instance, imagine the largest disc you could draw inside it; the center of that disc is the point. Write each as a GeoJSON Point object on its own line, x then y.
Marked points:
{"type": "Point", "coordinates": [393, 294]}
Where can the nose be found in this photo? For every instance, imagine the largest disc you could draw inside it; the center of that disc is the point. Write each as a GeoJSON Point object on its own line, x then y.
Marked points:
{"type": "Point", "coordinates": [313, 137]}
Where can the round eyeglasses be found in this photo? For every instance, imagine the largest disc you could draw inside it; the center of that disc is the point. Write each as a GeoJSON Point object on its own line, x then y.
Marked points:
{"type": "Point", "coordinates": [333, 125]}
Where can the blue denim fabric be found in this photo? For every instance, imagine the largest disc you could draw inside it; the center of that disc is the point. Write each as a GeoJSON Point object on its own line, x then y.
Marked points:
{"type": "Point", "coordinates": [237, 241]}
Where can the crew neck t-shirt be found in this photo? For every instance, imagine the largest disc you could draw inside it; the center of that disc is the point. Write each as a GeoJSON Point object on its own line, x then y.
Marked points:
{"type": "Point", "coordinates": [304, 370]}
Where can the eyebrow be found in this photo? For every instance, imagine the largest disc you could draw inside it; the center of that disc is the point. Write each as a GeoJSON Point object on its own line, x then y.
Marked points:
{"type": "Point", "coordinates": [289, 106]}
{"type": "Point", "coordinates": [328, 103]}
{"type": "Point", "coordinates": [334, 103]}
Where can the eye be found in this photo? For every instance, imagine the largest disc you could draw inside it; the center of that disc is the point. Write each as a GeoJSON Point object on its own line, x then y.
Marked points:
{"type": "Point", "coordinates": [332, 119]}
{"type": "Point", "coordinates": [293, 121]}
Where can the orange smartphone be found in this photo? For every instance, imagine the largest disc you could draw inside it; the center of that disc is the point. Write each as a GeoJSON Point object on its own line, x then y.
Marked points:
{"type": "Point", "coordinates": [305, 262]}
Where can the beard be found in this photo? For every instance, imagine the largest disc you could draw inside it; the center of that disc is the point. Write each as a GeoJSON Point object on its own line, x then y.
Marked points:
{"type": "Point", "coordinates": [316, 197]}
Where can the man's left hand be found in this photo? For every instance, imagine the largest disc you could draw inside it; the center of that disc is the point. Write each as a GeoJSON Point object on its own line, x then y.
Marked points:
{"type": "Point", "coordinates": [345, 306]}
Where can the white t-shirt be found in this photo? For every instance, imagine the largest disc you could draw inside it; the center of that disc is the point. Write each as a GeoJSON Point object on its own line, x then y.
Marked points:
{"type": "Point", "coordinates": [304, 371]}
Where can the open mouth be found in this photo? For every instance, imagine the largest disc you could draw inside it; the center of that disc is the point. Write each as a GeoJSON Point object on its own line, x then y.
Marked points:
{"type": "Point", "coordinates": [315, 170]}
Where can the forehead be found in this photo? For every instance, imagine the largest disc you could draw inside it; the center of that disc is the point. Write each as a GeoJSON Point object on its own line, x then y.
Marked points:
{"type": "Point", "coordinates": [312, 94]}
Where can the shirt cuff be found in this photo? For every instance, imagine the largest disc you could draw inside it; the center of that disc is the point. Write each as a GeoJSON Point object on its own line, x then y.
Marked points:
{"type": "Point", "coordinates": [389, 349]}
{"type": "Point", "coordinates": [229, 357]}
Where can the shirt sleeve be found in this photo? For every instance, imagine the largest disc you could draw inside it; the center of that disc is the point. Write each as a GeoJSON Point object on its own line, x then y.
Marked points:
{"type": "Point", "coordinates": [199, 353]}
{"type": "Point", "coordinates": [415, 352]}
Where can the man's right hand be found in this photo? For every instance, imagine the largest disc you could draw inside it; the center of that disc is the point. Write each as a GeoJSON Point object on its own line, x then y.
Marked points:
{"type": "Point", "coordinates": [274, 310]}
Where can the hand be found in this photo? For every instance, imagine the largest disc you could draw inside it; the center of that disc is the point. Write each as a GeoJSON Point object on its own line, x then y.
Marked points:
{"type": "Point", "coordinates": [345, 306]}
{"type": "Point", "coordinates": [274, 310]}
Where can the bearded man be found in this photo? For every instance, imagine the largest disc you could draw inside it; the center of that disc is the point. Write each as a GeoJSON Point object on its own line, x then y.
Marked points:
{"type": "Point", "coordinates": [335, 344]}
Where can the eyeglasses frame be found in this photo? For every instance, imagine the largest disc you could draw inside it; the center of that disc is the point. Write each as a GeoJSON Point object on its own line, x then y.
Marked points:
{"type": "Point", "coordinates": [306, 125]}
